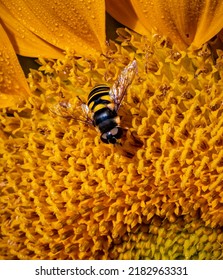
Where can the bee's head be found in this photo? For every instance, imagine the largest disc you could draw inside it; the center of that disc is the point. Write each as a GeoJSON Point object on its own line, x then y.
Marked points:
{"type": "Point", "coordinates": [111, 136]}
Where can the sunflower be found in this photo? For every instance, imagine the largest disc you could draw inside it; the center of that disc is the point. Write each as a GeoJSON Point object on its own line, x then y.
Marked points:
{"type": "Point", "coordinates": [66, 195]}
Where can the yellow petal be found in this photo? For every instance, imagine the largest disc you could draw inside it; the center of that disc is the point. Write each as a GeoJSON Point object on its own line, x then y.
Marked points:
{"type": "Point", "coordinates": [123, 12]}
{"type": "Point", "coordinates": [72, 24]}
{"type": "Point", "coordinates": [210, 22]}
{"type": "Point", "coordinates": [13, 85]}
{"type": "Point", "coordinates": [184, 22]}
{"type": "Point", "coordinates": [24, 41]}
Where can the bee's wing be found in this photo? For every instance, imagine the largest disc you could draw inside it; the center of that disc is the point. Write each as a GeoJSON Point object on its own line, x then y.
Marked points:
{"type": "Point", "coordinates": [85, 109]}
{"type": "Point", "coordinates": [119, 88]}
{"type": "Point", "coordinates": [65, 110]}
{"type": "Point", "coordinates": [87, 113]}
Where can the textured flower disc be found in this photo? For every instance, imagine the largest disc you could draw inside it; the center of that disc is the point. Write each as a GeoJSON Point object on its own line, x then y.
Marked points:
{"type": "Point", "coordinates": [66, 195]}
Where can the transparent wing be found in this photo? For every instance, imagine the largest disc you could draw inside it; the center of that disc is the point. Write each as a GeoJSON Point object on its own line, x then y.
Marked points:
{"type": "Point", "coordinates": [65, 110]}
{"type": "Point", "coordinates": [119, 88]}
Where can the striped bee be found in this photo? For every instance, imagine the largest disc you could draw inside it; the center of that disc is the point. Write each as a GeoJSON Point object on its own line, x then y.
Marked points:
{"type": "Point", "coordinates": [101, 109]}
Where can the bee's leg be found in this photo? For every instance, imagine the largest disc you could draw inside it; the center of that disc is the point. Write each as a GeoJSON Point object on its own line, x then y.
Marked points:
{"type": "Point", "coordinates": [133, 135]}
{"type": "Point", "coordinates": [137, 141]}
{"type": "Point", "coordinates": [125, 127]}
{"type": "Point", "coordinates": [118, 144]}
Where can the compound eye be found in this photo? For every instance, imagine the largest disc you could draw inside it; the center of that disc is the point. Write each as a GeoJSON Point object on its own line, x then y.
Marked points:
{"type": "Point", "coordinates": [104, 138]}
{"type": "Point", "coordinates": [112, 135]}
{"type": "Point", "coordinates": [116, 132]}
{"type": "Point", "coordinates": [108, 138]}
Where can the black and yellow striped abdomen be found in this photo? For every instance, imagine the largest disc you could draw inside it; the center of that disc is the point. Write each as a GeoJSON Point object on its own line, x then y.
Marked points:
{"type": "Point", "coordinates": [104, 115]}
{"type": "Point", "coordinates": [99, 98]}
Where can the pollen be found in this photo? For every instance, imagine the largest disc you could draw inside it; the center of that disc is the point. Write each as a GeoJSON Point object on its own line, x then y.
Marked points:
{"type": "Point", "coordinates": [157, 195]}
